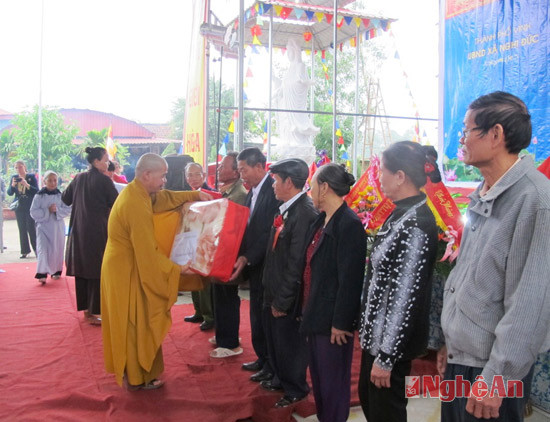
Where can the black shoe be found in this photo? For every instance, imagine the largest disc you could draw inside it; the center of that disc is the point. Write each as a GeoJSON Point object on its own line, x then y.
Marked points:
{"type": "Point", "coordinates": [252, 366]}
{"type": "Point", "coordinates": [263, 375]}
{"type": "Point", "coordinates": [286, 401]}
{"type": "Point", "coordinates": [193, 318]}
{"type": "Point", "coordinates": [269, 386]}
{"type": "Point", "coordinates": [207, 325]}
{"type": "Point", "coordinates": [23, 256]}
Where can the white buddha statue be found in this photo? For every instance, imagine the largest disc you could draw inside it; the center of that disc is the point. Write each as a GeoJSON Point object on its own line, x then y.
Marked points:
{"type": "Point", "coordinates": [296, 130]}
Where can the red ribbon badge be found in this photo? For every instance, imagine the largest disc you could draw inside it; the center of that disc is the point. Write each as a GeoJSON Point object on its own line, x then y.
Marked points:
{"type": "Point", "coordinates": [279, 224]}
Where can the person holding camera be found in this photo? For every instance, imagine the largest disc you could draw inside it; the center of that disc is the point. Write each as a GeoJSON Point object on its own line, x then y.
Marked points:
{"type": "Point", "coordinates": [24, 186]}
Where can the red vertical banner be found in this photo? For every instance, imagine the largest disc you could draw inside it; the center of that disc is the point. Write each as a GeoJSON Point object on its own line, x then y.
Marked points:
{"type": "Point", "coordinates": [194, 141]}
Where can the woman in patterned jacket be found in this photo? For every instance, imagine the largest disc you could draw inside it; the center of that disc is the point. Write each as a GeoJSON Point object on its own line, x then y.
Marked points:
{"type": "Point", "coordinates": [396, 295]}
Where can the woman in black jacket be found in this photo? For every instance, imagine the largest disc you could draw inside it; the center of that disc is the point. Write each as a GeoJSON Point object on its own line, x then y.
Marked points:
{"type": "Point", "coordinates": [24, 186]}
{"type": "Point", "coordinates": [396, 296]}
{"type": "Point", "coordinates": [333, 279]}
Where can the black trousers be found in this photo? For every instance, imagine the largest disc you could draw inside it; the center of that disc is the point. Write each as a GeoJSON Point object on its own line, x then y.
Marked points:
{"type": "Point", "coordinates": [202, 302]}
{"type": "Point", "coordinates": [511, 410]}
{"type": "Point", "coordinates": [227, 308]}
{"type": "Point", "coordinates": [88, 296]}
{"type": "Point", "coordinates": [27, 230]}
{"type": "Point", "coordinates": [330, 369]}
{"type": "Point", "coordinates": [287, 352]}
{"type": "Point", "coordinates": [383, 404]}
{"type": "Point", "coordinates": [256, 323]}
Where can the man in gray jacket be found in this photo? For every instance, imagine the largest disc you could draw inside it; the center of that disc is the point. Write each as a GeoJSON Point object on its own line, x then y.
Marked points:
{"type": "Point", "coordinates": [496, 309]}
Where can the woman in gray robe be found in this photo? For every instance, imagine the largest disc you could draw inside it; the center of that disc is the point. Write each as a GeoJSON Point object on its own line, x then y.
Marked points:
{"type": "Point", "coordinates": [48, 211]}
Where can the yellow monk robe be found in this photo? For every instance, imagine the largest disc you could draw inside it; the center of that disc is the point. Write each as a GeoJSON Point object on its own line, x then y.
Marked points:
{"type": "Point", "coordinates": [139, 285]}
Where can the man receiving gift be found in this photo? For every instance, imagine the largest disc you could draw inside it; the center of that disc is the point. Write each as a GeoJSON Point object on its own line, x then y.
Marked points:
{"type": "Point", "coordinates": [282, 275]}
{"type": "Point", "coordinates": [139, 284]}
{"type": "Point", "coordinates": [227, 303]}
{"type": "Point", "coordinates": [263, 207]}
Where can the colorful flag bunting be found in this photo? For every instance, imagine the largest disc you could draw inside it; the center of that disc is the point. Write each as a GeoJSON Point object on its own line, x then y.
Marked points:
{"type": "Point", "coordinates": [328, 17]}
{"type": "Point", "coordinates": [309, 14]}
{"type": "Point", "coordinates": [249, 73]}
{"type": "Point", "coordinates": [231, 128]}
{"type": "Point", "coordinates": [348, 19]}
{"type": "Point", "coordinates": [338, 132]}
{"type": "Point", "coordinates": [266, 7]}
{"type": "Point", "coordinates": [345, 156]}
{"type": "Point", "coordinates": [339, 21]}
{"type": "Point", "coordinates": [353, 41]}
{"type": "Point", "coordinates": [357, 22]}
{"type": "Point", "coordinates": [278, 10]}
{"type": "Point", "coordinates": [298, 13]}
{"type": "Point", "coordinates": [319, 16]}
{"type": "Point", "coordinates": [340, 140]}
{"type": "Point", "coordinates": [223, 150]}
{"type": "Point", "coordinates": [366, 22]}
{"type": "Point", "coordinates": [226, 138]}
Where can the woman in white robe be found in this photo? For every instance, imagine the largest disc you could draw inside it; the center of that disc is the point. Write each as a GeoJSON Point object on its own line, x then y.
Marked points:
{"type": "Point", "coordinates": [48, 211]}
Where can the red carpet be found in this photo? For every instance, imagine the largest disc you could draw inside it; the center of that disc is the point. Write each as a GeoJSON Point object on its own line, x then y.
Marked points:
{"type": "Point", "coordinates": [52, 366]}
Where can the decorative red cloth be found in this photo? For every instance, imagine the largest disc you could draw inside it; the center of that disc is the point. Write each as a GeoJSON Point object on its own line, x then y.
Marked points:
{"type": "Point", "coordinates": [307, 269]}
{"type": "Point", "coordinates": [120, 178]}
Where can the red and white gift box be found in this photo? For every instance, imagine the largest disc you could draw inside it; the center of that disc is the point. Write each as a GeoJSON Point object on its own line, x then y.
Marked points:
{"type": "Point", "coordinates": [210, 237]}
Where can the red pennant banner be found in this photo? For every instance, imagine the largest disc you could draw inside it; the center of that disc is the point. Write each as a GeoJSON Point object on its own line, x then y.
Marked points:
{"type": "Point", "coordinates": [366, 22]}
{"type": "Point", "coordinates": [249, 73]}
{"type": "Point", "coordinates": [285, 12]}
{"type": "Point", "coordinates": [445, 205]}
{"type": "Point", "coordinates": [328, 17]}
{"type": "Point", "coordinates": [381, 213]}
{"type": "Point", "coordinates": [340, 141]}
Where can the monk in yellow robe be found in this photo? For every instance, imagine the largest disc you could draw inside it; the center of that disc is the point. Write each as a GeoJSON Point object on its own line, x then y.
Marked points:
{"type": "Point", "coordinates": [139, 284]}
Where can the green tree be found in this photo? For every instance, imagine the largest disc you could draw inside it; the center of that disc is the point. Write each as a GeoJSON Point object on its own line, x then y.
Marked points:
{"type": "Point", "coordinates": [98, 138]}
{"type": "Point", "coordinates": [57, 146]}
{"type": "Point", "coordinates": [178, 117]}
{"type": "Point", "coordinates": [7, 149]}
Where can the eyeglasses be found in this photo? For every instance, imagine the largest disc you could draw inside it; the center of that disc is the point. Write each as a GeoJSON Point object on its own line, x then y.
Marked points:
{"type": "Point", "coordinates": [466, 132]}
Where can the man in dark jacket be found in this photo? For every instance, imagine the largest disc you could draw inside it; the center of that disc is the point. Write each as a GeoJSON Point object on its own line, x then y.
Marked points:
{"type": "Point", "coordinates": [284, 263]}
{"type": "Point", "coordinates": [263, 207]}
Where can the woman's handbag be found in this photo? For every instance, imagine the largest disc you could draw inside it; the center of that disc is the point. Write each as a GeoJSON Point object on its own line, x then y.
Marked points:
{"type": "Point", "coordinates": [14, 204]}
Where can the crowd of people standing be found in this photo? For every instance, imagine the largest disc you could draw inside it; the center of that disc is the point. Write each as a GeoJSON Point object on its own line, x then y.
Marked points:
{"type": "Point", "coordinates": [311, 287]}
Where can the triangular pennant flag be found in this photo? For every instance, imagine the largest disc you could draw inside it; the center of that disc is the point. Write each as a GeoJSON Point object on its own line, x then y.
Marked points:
{"type": "Point", "coordinates": [396, 56]}
{"type": "Point", "coordinates": [375, 23]}
{"type": "Point", "coordinates": [337, 125]}
{"type": "Point", "coordinates": [298, 13]}
{"type": "Point", "coordinates": [357, 22]}
{"type": "Point", "coordinates": [223, 150]}
{"type": "Point", "coordinates": [283, 50]}
{"type": "Point", "coordinates": [319, 16]}
{"type": "Point", "coordinates": [278, 10]}
{"type": "Point", "coordinates": [345, 155]}
{"type": "Point", "coordinates": [348, 19]}
{"type": "Point", "coordinates": [256, 41]}
{"type": "Point", "coordinates": [259, 20]}
{"type": "Point", "coordinates": [255, 50]}
{"type": "Point", "coordinates": [245, 84]}
{"type": "Point", "coordinates": [424, 135]}
{"type": "Point", "coordinates": [385, 25]}
{"type": "Point", "coordinates": [285, 12]}
{"type": "Point", "coordinates": [328, 17]}
{"type": "Point", "coordinates": [339, 21]}
{"type": "Point", "coordinates": [330, 93]}
{"type": "Point", "coordinates": [226, 138]}
{"type": "Point", "coordinates": [266, 7]}
{"type": "Point", "coordinates": [341, 46]}
{"type": "Point", "coordinates": [253, 11]}
{"type": "Point", "coordinates": [247, 15]}
{"type": "Point", "coordinates": [257, 7]}
{"type": "Point", "coordinates": [249, 73]}
{"type": "Point", "coordinates": [231, 128]}
{"type": "Point", "coordinates": [341, 143]}
{"type": "Point", "coordinates": [325, 67]}
{"type": "Point", "coordinates": [245, 97]}
{"type": "Point", "coordinates": [366, 22]}
{"type": "Point", "coordinates": [372, 33]}
{"type": "Point", "coordinates": [323, 55]}
{"type": "Point", "coordinates": [309, 14]}
{"type": "Point", "coordinates": [308, 52]}
{"type": "Point", "coordinates": [338, 132]}
{"type": "Point", "coordinates": [326, 76]}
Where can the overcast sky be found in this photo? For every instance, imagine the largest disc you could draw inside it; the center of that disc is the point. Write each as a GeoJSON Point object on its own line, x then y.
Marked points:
{"type": "Point", "coordinates": [130, 57]}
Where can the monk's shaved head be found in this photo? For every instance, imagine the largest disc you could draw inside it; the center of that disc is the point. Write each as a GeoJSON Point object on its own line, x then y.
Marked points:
{"type": "Point", "coordinates": [150, 162]}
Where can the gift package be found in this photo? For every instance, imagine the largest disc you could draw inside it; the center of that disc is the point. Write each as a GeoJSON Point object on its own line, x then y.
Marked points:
{"type": "Point", "coordinates": [210, 237]}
